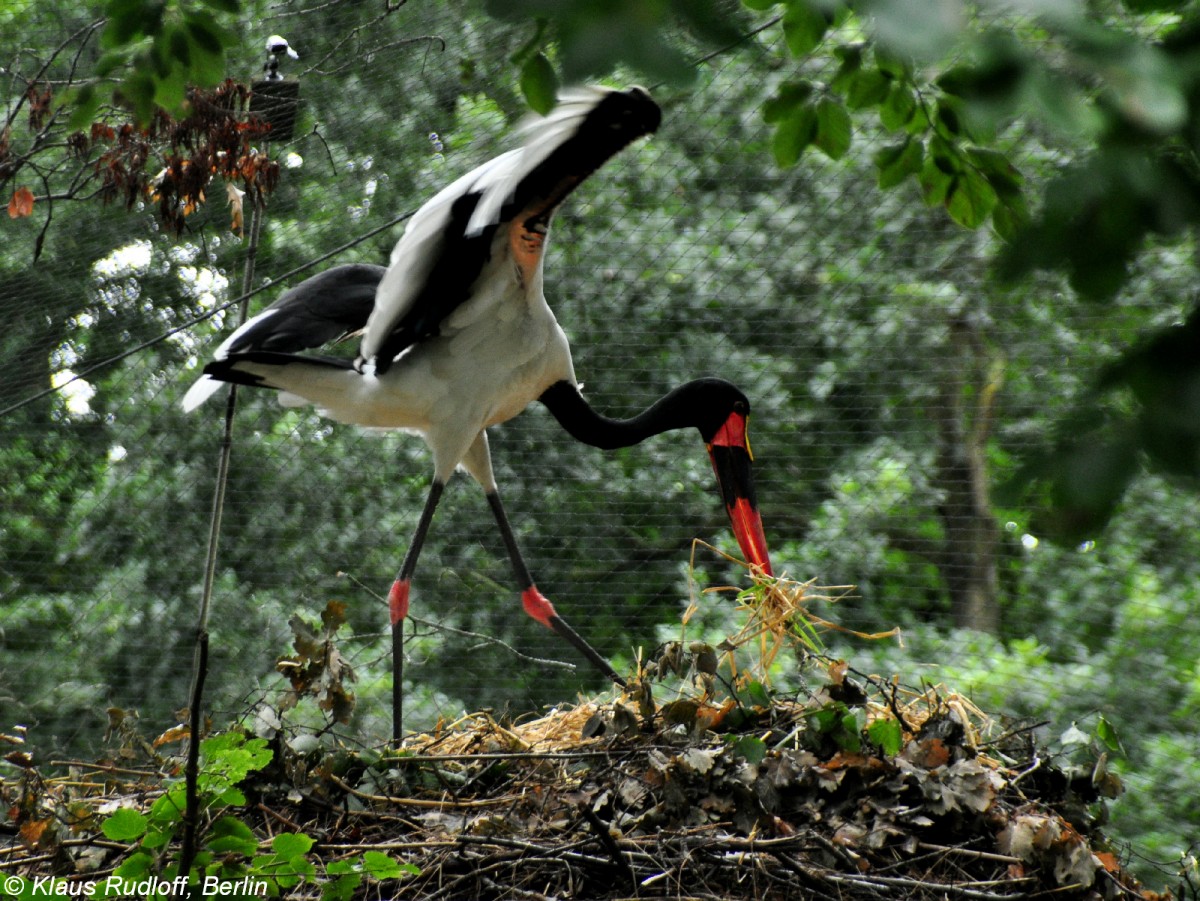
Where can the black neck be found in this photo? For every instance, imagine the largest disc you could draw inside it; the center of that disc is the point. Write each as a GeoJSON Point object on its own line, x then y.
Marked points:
{"type": "Point", "coordinates": [703, 404]}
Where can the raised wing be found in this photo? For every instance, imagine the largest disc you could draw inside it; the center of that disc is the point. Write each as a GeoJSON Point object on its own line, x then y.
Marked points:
{"type": "Point", "coordinates": [436, 264]}
{"type": "Point", "coordinates": [330, 306]}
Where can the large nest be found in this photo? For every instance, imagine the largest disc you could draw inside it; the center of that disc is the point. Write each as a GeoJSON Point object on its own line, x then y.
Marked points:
{"type": "Point", "coordinates": [853, 788]}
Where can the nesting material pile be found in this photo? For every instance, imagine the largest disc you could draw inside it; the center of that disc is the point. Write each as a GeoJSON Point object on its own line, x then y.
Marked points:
{"type": "Point", "coordinates": [850, 789]}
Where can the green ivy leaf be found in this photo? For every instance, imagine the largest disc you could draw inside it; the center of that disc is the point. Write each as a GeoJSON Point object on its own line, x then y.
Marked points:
{"type": "Point", "coordinates": [539, 83]}
{"type": "Point", "coordinates": [125, 825]}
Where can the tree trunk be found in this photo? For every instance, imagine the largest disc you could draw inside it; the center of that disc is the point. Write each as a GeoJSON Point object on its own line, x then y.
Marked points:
{"type": "Point", "coordinates": [967, 558]}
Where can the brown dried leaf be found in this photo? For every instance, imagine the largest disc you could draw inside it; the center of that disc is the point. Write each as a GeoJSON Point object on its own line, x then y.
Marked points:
{"type": "Point", "coordinates": [175, 733]}
{"type": "Point", "coordinates": [927, 753]}
{"type": "Point", "coordinates": [21, 204]}
{"type": "Point", "coordinates": [34, 832]}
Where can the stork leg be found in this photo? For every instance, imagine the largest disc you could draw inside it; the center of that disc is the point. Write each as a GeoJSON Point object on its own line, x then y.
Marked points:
{"type": "Point", "coordinates": [398, 606]}
{"type": "Point", "coordinates": [535, 603]}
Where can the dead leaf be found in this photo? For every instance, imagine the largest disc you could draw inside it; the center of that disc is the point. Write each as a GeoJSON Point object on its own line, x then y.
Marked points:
{"type": "Point", "coordinates": [175, 733]}
{"type": "Point", "coordinates": [21, 204]}
{"type": "Point", "coordinates": [235, 194]}
{"type": "Point", "coordinates": [632, 792]}
{"type": "Point", "coordinates": [928, 753]}
{"type": "Point", "coordinates": [837, 672]}
{"type": "Point", "coordinates": [699, 760]}
{"type": "Point", "coordinates": [33, 832]}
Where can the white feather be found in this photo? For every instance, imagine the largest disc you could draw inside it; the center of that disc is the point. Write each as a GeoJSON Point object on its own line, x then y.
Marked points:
{"type": "Point", "coordinates": [497, 180]}
{"type": "Point", "coordinates": [205, 387]}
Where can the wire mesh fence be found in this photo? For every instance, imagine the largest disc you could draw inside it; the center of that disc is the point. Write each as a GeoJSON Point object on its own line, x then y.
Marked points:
{"type": "Point", "coordinates": [894, 387]}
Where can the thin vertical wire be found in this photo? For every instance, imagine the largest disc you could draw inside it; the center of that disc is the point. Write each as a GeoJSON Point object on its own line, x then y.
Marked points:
{"type": "Point", "coordinates": [191, 817]}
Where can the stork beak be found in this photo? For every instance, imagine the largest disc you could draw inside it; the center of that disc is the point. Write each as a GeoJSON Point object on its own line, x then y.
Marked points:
{"type": "Point", "coordinates": [732, 462]}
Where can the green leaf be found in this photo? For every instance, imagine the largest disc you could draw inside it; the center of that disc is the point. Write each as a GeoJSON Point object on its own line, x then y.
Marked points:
{"type": "Point", "coordinates": [290, 845]}
{"type": "Point", "coordinates": [896, 162]}
{"type": "Point", "coordinates": [938, 173]}
{"type": "Point", "coordinates": [205, 32]}
{"type": "Point", "coordinates": [899, 107]}
{"type": "Point", "coordinates": [803, 27]}
{"type": "Point", "coordinates": [127, 19]}
{"type": "Point", "coordinates": [139, 89]}
{"type": "Point", "coordinates": [833, 128]}
{"type": "Point", "coordinates": [158, 836]}
{"type": "Point", "coordinates": [759, 5]}
{"type": "Point", "coordinates": [790, 96]}
{"type": "Point", "coordinates": [87, 105]}
{"type": "Point", "coordinates": [1107, 733]}
{"type": "Point", "coordinates": [756, 694]}
{"type": "Point", "coordinates": [171, 91]}
{"type": "Point", "coordinates": [342, 887]}
{"type": "Point", "coordinates": [232, 797]}
{"type": "Point", "coordinates": [865, 88]}
{"type": "Point", "coordinates": [125, 825]}
{"type": "Point", "coordinates": [379, 865]}
{"type": "Point", "coordinates": [1150, 6]}
{"type": "Point", "coordinates": [1008, 218]}
{"type": "Point", "coordinates": [887, 734]}
{"type": "Point", "coordinates": [970, 199]}
{"type": "Point", "coordinates": [179, 45]}
{"type": "Point", "coordinates": [751, 748]}
{"type": "Point", "coordinates": [109, 61]}
{"type": "Point", "coordinates": [539, 83]}
{"type": "Point", "coordinates": [1003, 176]}
{"type": "Point", "coordinates": [135, 866]}
{"type": "Point", "coordinates": [947, 120]}
{"type": "Point", "coordinates": [229, 834]}
{"type": "Point", "coordinates": [793, 134]}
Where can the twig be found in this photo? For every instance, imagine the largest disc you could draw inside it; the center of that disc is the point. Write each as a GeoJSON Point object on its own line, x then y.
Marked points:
{"type": "Point", "coordinates": [443, 804]}
{"type": "Point", "coordinates": [602, 832]}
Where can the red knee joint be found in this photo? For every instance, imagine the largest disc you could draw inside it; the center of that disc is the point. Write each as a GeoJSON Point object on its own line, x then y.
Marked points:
{"type": "Point", "coordinates": [398, 600]}
{"type": "Point", "coordinates": [537, 606]}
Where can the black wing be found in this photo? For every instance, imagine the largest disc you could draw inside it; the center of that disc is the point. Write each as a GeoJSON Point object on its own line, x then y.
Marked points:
{"type": "Point", "coordinates": [449, 241]}
{"type": "Point", "coordinates": [328, 307]}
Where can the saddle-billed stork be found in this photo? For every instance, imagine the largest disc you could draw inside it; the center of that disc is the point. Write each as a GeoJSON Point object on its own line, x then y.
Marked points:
{"type": "Point", "coordinates": [456, 336]}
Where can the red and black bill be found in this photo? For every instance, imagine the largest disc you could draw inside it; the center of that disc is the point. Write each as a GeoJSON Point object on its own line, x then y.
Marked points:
{"type": "Point", "coordinates": [733, 465]}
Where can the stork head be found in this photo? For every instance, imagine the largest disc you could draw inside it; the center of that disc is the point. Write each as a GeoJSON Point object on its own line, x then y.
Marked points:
{"type": "Point", "coordinates": [725, 420]}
